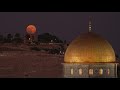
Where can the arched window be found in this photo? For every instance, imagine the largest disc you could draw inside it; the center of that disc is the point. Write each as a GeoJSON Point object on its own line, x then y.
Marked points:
{"type": "Point", "coordinates": [71, 71]}
{"type": "Point", "coordinates": [101, 71]}
{"type": "Point", "coordinates": [90, 71]}
{"type": "Point", "coordinates": [108, 71]}
{"type": "Point", "coordinates": [80, 71]}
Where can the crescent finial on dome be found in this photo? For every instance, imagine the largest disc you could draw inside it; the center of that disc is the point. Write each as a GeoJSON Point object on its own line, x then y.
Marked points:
{"type": "Point", "coordinates": [90, 26]}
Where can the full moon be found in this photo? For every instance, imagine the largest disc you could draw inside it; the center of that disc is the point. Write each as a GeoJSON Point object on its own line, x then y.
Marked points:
{"type": "Point", "coordinates": [31, 29]}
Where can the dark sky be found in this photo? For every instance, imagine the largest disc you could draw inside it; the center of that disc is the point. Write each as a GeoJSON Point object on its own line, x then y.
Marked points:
{"type": "Point", "coordinates": [65, 25]}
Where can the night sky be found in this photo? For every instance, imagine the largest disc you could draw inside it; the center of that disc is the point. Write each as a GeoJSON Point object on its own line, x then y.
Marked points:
{"type": "Point", "coordinates": [65, 25]}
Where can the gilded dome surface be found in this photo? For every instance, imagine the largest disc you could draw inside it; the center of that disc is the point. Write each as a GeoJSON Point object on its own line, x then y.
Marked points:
{"type": "Point", "coordinates": [89, 47]}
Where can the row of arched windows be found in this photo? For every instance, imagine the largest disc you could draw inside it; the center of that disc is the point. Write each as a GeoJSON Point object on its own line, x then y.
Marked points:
{"type": "Point", "coordinates": [91, 72]}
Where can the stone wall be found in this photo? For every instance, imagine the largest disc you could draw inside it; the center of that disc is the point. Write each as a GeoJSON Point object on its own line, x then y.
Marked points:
{"type": "Point", "coordinates": [98, 70]}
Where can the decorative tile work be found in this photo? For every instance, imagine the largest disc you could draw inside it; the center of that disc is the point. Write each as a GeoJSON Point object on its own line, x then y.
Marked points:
{"type": "Point", "coordinates": [97, 70]}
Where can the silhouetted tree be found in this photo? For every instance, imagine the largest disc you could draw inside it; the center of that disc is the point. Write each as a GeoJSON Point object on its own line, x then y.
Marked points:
{"type": "Point", "coordinates": [1, 38]}
{"type": "Point", "coordinates": [27, 36]}
{"type": "Point", "coordinates": [17, 38]}
{"type": "Point", "coordinates": [17, 35]}
{"type": "Point", "coordinates": [48, 38]}
{"type": "Point", "coordinates": [9, 38]}
{"type": "Point", "coordinates": [65, 41]}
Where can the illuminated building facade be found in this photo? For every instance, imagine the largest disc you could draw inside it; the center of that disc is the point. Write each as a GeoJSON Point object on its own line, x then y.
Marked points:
{"type": "Point", "coordinates": [90, 56]}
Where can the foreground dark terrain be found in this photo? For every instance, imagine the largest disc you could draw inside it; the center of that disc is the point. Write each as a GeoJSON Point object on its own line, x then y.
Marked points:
{"type": "Point", "coordinates": [30, 65]}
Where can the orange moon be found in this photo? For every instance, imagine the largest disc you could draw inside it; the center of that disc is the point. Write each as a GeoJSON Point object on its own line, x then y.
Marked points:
{"type": "Point", "coordinates": [31, 29]}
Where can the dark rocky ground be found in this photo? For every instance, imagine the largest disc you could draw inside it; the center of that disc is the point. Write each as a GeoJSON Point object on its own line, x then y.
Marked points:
{"type": "Point", "coordinates": [31, 66]}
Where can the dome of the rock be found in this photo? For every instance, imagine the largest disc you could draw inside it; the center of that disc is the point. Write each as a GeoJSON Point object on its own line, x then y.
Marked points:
{"type": "Point", "coordinates": [89, 47]}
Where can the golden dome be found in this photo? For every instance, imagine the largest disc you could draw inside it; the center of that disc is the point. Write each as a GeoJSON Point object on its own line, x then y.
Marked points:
{"type": "Point", "coordinates": [89, 47]}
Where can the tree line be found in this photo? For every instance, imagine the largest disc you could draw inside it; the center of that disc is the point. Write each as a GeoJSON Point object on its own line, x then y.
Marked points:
{"type": "Point", "coordinates": [42, 38]}
{"type": "Point", "coordinates": [11, 38]}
